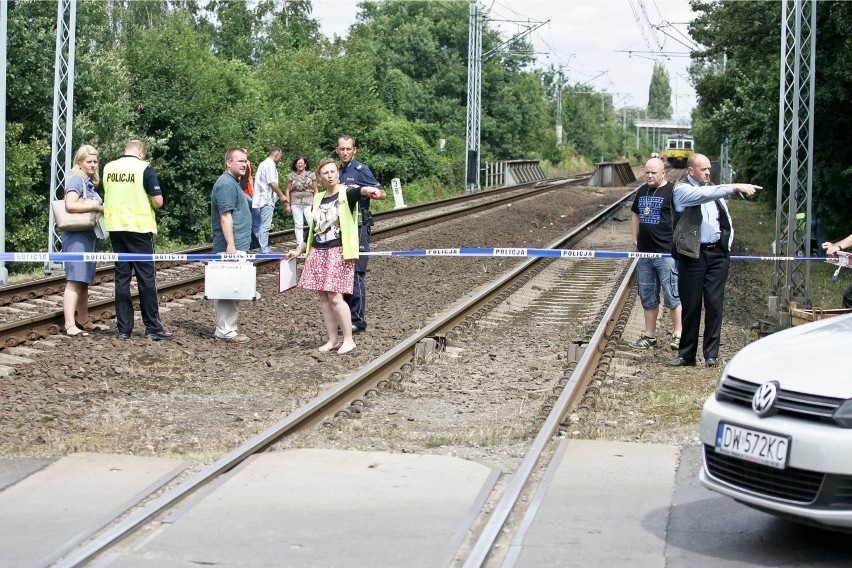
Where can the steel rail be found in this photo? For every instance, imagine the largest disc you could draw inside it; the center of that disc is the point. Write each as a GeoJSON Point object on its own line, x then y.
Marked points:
{"type": "Point", "coordinates": [46, 286]}
{"type": "Point", "coordinates": [44, 325]}
{"type": "Point", "coordinates": [573, 390]}
{"type": "Point", "coordinates": [355, 386]}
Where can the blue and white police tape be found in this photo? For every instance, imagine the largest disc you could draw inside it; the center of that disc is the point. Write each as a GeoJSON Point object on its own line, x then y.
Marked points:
{"type": "Point", "coordinates": [564, 253]}
{"type": "Point", "coordinates": [480, 252]}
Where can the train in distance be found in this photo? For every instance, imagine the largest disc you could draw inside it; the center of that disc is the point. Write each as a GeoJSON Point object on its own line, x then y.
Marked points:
{"type": "Point", "coordinates": [679, 147]}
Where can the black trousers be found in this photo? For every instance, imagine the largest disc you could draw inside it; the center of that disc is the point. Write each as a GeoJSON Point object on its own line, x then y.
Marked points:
{"type": "Point", "coordinates": [146, 282]}
{"type": "Point", "coordinates": [702, 281]}
{"type": "Point", "coordinates": [357, 300]}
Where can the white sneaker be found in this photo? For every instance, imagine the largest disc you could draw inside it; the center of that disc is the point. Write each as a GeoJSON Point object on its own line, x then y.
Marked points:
{"type": "Point", "coordinates": [236, 338]}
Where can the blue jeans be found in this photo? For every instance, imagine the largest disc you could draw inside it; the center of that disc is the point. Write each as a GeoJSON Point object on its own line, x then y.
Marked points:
{"type": "Point", "coordinates": [656, 274]}
{"type": "Point", "coordinates": [255, 217]}
{"type": "Point", "coordinates": [265, 213]}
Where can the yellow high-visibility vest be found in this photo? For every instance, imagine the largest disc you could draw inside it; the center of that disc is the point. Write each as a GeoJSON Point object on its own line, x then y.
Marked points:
{"type": "Point", "coordinates": [348, 224]}
{"type": "Point", "coordinates": [127, 206]}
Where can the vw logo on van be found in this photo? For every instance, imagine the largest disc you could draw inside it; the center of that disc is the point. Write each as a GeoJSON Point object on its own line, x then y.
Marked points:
{"type": "Point", "coordinates": [763, 401]}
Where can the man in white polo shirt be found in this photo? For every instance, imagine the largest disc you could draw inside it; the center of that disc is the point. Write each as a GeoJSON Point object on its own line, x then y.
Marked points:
{"type": "Point", "coordinates": [266, 194]}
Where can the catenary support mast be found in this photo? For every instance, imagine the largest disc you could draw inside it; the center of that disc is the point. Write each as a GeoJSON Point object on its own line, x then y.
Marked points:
{"type": "Point", "coordinates": [4, 14]}
{"type": "Point", "coordinates": [61, 151]}
{"type": "Point", "coordinates": [791, 280]}
{"type": "Point", "coordinates": [474, 98]}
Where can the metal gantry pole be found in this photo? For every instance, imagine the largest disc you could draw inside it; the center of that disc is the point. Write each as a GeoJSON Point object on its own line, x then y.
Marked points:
{"type": "Point", "coordinates": [559, 111]}
{"type": "Point", "coordinates": [474, 98]}
{"type": "Point", "coordinates": [725, 176]}
{"type": "Point", "coordinates": [791, 280]}
{"type": "Point", "coordinates": [63, 116]}
{"type": "Point", "coordinates": [4, 13]}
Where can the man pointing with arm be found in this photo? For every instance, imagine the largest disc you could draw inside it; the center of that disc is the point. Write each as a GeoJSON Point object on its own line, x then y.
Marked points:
{"type": "Point", "coordinates": [703, 234]}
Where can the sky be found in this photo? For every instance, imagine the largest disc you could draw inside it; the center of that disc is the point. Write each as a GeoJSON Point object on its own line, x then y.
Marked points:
{"type": "Point", "coordinates": [598, 42]}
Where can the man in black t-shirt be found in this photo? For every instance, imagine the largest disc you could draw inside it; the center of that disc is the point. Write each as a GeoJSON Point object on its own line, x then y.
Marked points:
{"type": "Point", "coordinates": [652, 232]}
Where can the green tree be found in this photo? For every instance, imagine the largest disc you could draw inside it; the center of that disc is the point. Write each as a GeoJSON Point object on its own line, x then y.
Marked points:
{"type": "Point", "coordinates": [234, 36]}
{"type": "Point", "coordinates": [397, 150]}
{"type": "Point", "coordinates": [26, 208]}
{"type": "Point", "coordinates": [29, 73]}
{"type": "Point", "coordinates": [192, 107]}
{"type": "Point", "coordinates": [740, 98]}
{"type": "Point", "coordinates": [306, 107]}
{"type": "Point", "coordinates": [420, 52]}
{"type": "Point", "coordinates": [590, 125]}
{"type": "Point", "coordinates": [660, 93]}
{"type": "Point", "coordinates": [287, 25]}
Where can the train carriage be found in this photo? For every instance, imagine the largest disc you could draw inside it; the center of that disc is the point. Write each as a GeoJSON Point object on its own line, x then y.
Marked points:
{"type": "Point", "coordinates": [678, 149]}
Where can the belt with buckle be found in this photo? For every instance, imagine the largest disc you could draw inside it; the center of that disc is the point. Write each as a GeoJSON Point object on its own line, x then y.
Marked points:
{"type": "Point", "coordinates": [709, 246]}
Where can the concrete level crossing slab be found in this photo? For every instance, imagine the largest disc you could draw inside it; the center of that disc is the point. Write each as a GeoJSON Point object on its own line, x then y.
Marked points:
{"type": "Point", "coordinates": [312, 507]}
{"type": "Point", "coordinates": [601, 504]}
{"type": "Point", "coordinates": [45, 513]}
{"type": "Point", "coordinates": [13, 470]}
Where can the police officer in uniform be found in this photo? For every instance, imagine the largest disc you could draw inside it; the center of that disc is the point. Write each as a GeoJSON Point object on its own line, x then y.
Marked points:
{"type": "Point", "coordinates": [354, 173]}
{"type": "Point", "coordinates": [131, 193]}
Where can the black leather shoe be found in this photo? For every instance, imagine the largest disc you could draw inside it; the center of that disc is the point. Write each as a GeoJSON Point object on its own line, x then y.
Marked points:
{"type": "Point", "coordinates": [123, 335]}
{"type": "Point", "coordinates": [162, 335]}
{"type": "Point", "coordinates": [681, 362]}
{"type": "Point", "coordinates": [356, 329]}
{"type": "Point", "coordinates": [711, 362]}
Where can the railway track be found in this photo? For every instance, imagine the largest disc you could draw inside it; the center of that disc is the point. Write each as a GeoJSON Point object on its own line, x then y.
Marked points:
{"type": "Point", "coordinates": [32, 310]}
{"type": "Point", "coordinates": [538, 294]}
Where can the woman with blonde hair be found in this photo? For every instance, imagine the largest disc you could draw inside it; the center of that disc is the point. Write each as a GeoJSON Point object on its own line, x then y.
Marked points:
{"type": "Point", "coordinates": [81, 197]}
{"type": "Point", "coordinates": [332, 248]}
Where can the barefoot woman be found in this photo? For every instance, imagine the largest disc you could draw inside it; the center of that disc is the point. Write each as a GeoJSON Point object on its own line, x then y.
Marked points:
{"type": "Point", "coordinates": [332, 248]}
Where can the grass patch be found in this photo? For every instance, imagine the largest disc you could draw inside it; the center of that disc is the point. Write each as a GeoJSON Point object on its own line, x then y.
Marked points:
{"type": "Point", "coordinates": [754, 223]}
{"type": "Point", "coordinates": [663, 404]}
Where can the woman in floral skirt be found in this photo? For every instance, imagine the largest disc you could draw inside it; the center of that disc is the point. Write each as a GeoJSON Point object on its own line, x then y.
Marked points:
{"type": "Point", "coordinates": [332, 249]}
